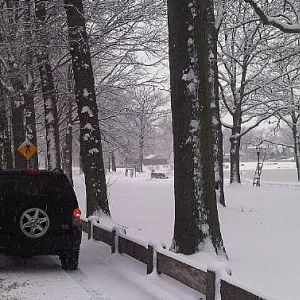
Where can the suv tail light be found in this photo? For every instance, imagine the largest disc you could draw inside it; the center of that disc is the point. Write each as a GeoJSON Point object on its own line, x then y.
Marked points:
{"type": "Point", "coordinates": [76, 217]}
{"type": "Point", "coordinates": [76, 213]}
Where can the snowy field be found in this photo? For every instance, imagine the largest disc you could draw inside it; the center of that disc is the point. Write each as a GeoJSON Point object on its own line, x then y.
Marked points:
{"type": "Point", "coordinates": [260, 226]}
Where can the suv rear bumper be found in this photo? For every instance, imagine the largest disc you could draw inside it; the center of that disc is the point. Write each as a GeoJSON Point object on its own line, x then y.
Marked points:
{"type": "Point", "coordinates": [50, 245]}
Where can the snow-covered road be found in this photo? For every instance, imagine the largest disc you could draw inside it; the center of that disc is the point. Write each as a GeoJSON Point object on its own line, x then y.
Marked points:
{"type": "Point", "coordinates": [100, 276]}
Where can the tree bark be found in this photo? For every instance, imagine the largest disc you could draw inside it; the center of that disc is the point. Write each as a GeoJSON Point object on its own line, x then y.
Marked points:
{"type": "Point", "coordinates": [7, 155]}
{"type": "Point", "coordinates": [18, 132]}
{"type": "Point", "coordinates": [215, 107]}
{"type": "Point", "coordinates": [30, 121]}
{"type": "Point", "coordinates": [69, 130]}
{"type": "Point", "coordinates": [296, 138]}
{"type": "Point", "coordinates": [17, 93]}
{"type": "Point", "coordinates": [30, 124]}
{"type": "Point", "coordinates": [196, 215]}
{"type": "Point", "coordinates": [113, 162]}
{"type": "Point", "coordinates": [17, 117]}
{"type": "Point", "coordinates": [4, 134]}
{"type": "Point", "coordinates": [90, 137]}
{"type": "Point", "coordinates": [235, 144]}
{"type": "Point", "coordinates": [68, 151]}
{"type": "Point", "coordinates": [48, 89]}
{"type": "Point", "coordinates": [141, 153]}
{"type": "Point", "coordinates": [109, 161]}
{"type": "Point", "coordinates": [5, 142]}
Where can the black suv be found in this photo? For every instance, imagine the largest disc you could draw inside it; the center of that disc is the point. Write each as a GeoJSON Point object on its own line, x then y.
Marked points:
{"type": "Point", "coordinates": [39, 215]}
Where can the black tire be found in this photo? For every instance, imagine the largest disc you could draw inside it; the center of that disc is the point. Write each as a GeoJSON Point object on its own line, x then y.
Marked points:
{"type": "Point", "coordinates": [69, 260]}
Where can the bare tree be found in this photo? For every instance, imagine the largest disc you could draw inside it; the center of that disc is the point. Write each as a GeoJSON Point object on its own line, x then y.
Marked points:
{"type": "Point", "coordinates": [287, 21]}
{"type": "Point", "coordinates": [48, 89]}
{"type": "Point", "coordinates": [284, 93]}
{"type": "Point", "coordinates": [11, 75]}
{"type": "Point", "coordinates": [146, 107]}
{"type": "Point", "coordinates": [90, 137]}
{"type": "Point", "coordinates": [196, 215]}
{"type": "Point", "coordinates": [30, 120]}
{"type": "Point", "coordinates": [245, 65]}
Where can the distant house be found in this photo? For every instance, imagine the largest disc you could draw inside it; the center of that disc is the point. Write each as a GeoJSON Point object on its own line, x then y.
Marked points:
{"type": "Point", "coordinates": [267, 151]}
{"type": "Point", "coordinates": [155, 160]}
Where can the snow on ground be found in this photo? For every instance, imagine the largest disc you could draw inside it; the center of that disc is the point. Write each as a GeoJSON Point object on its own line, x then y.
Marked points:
{"type": "Point", "coordinates": [260, 226]}
{"type": "Point", "coordinates": [261, 231]}
{"type": "Point", "coordinates": [101, 276]}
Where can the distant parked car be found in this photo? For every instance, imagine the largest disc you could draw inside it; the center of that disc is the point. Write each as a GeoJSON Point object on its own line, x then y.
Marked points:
{"type": "Point", "coordinates": [158, 175]}
{"type": "Point", "coordinates": [39, 215]}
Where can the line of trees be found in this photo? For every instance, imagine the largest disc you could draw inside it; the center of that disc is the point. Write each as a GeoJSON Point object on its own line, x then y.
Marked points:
{"type": "Point", "coordinates": [81, 69]}
{"type": "Point", "coordinates": [59, 65]}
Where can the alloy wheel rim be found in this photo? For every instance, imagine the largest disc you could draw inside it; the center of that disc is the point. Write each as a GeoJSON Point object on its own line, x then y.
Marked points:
{"type": "Point", "coordinates": [34, 222]}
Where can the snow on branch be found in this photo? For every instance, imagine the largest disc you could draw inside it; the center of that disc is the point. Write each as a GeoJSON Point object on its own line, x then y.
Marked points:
{"type": "Point", "coordinates": [274, 21]}
{"type": "Point", "coordinates": [258, 122]}
{"type": "Point", "coordinates": [273, 143]}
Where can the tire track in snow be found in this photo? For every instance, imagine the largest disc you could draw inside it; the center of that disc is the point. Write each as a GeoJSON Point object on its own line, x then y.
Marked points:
{"type": "Point", "coordinates": [82, 280]}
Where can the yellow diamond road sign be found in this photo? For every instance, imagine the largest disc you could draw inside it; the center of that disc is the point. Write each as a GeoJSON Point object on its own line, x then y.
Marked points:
{"type": "Point", "coordinates": [27, 149]}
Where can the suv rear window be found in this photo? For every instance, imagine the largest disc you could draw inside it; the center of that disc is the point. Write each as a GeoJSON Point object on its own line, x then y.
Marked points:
{"type": "Point", "coordinates": [34, 184]}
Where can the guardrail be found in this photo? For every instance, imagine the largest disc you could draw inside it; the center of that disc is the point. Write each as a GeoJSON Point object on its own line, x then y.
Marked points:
{"type": "Point", "coordinates": [210, 283]}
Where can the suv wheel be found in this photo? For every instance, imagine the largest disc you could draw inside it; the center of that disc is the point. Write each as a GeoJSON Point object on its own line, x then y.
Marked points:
{"type": "Point", "coordinates": [34, 222]}
{"type": "Point", "coordinates": [69, 259]}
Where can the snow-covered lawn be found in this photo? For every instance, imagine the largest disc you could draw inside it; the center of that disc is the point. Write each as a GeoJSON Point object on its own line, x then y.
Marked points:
{"type": "Point", "coordinates": [260, 226]}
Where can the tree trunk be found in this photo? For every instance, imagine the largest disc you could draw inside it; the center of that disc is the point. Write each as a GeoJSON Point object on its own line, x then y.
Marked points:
{"type": "Point", "coordinates": [17, 113]}
{"type": "Point", "coordinates": [30, 125]}
{"type": "Point", "coordinates": [4, 136]}
{"type": "Point", "coordinates": [30, 121]}
{"type": "Point", "coordinates": [216, 123]}
{"type": "Point", "coordinates": [69, 131]}
{"type": "Point", "coordinates": [8, 156]}
{"type": "Point", "coordinates": [141, 153]}
{"type": "Point", "coordinates": [109, 161]}
{"type": "Point", "coordinates": [68, 151]}
{"type": "Point", "coordinates": [235, 143]}
{"type": "Point", "coordinates": [80, 165]}
{"type": "Point", "coordinates": [16, 97]}
{"type": "Point", "coordinates": [196, 215]}
{"type": "Point", "coordinates": [48, 89]}
{"type": "Point", "coordinates": [90, 137]}
{"type": "Point", "coordinates": [18, 132]}
{"type": "Point", "coordinates": [113, 162]}
{"type": "Point", "coordinates": [5, 142]}
{"type": "Point", "coordinates": [296, 138]}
